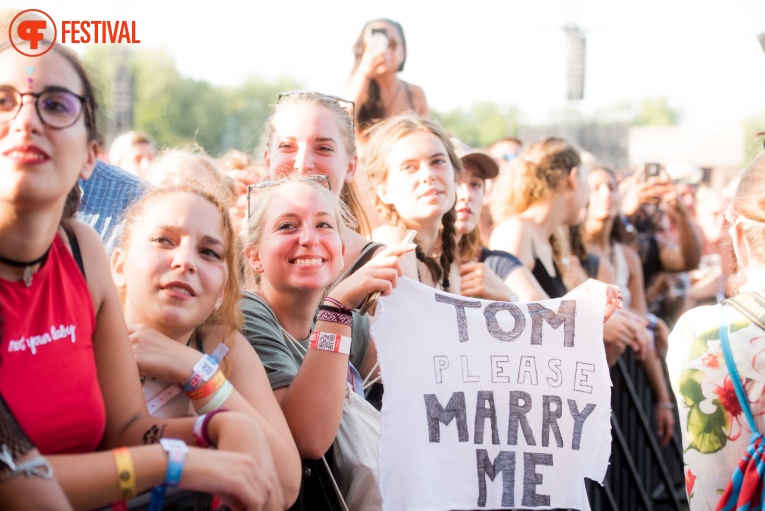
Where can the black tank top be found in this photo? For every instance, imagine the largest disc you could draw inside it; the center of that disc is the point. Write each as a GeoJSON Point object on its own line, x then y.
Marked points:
{"type": "Point", "coordinates": [553, 286]}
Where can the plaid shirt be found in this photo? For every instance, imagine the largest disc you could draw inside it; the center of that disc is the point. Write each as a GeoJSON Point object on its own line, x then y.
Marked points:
{"type": "Point", "coordinates": [106, 195]}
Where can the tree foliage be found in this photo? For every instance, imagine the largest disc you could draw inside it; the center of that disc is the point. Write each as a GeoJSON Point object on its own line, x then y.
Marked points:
{"type": "Point", "coordinates": [481, 125]}
{"type": "Point", "coordinates": [179, 111]}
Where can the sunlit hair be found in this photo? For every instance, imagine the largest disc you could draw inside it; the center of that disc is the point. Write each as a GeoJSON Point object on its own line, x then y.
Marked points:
{"type": "Point", "coordinates": [194, 167]}
{"type": "Point", "coordinates": [228, 314]}
{"type": "Point", "coordinates": [260, 203]}
{"type": "Point", "coordinates": [382, 137]}
{"type": "Point", "coordinates": [749, 207]}
{"type": "Point", "coordinates": [373, 108]}
{"type": "Point", "coordinates": [349, 192]}
{"type": "Point", "coordinates": [532, 177]}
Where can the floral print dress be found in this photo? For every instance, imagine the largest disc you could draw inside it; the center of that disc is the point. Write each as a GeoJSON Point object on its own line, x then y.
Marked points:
{"type": "Point", "coordinates": [714, 429]}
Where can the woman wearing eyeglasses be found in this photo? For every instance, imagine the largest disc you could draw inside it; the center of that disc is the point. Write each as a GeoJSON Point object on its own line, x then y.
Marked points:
{"type": "Point", "coordinates": [379, 55]}
{"type": "Point", "coordinates": [720, 410]}
{"type": "Point", "coordinates": [67, 371]}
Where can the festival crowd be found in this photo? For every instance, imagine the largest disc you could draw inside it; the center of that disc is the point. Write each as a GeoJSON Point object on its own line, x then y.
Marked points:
{"type": "Point", "coordinates": [170, 318]}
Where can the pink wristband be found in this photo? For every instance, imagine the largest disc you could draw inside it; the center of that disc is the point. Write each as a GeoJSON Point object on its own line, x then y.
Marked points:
{"type": "Point", "coordinates": [206, 424]}
{"type": "Point", "coordinates": [199, 437]}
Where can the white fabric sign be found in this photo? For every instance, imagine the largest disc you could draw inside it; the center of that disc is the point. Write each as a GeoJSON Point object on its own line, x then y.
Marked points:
{"type": "Point", "coordinates": [491, 404]}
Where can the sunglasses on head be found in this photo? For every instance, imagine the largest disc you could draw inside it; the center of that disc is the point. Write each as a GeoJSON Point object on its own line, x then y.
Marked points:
{"type": "Point", "coordinates": [321, 179]}
{"type": "Point", "coordinates": [347, 105]}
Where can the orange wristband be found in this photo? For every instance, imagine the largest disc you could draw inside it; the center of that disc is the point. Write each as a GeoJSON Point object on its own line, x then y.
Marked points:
{"type": "Point", "coordinates": [208, 388]}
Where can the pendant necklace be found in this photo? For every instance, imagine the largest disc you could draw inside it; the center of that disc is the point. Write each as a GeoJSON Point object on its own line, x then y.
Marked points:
{"type": "Point", "coordinates": [27, 265]}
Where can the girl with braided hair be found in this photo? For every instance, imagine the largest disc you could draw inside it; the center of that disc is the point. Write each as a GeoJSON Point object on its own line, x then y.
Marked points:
{"type": "Point", "coordinates": [413, 170]}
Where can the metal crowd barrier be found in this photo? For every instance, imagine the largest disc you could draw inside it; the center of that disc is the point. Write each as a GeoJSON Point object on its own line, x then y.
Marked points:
{"type": "Point", "coordinates": [642, 474]}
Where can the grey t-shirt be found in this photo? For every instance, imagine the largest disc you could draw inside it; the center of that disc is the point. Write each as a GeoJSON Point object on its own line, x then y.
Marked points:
{"type": "Point", "coordinates": [280, 357]}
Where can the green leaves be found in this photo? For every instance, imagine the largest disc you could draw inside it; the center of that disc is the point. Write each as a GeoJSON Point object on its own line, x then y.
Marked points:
{"type": "Point", "coordinates": [706, 432]}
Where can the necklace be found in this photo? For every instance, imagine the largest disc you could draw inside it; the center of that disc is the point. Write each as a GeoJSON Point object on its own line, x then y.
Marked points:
{"type": "Point", "coordinates": [27, 265]}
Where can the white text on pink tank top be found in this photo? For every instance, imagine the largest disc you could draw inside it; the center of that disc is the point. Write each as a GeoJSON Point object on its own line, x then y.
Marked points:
{"type": "Point", "coordinates": [32, 342]}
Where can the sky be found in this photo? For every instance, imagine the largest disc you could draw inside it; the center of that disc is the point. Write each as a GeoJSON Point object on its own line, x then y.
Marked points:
{"type": "Point", "coordinates": [703, 56]}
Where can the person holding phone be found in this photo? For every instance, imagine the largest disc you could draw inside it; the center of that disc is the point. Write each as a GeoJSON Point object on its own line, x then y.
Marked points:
{"type": "Point", "coordinates": [380, 53]}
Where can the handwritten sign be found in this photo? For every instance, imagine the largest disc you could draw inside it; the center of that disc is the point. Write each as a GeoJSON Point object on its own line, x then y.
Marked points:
{"type": "Point", "coordinates": [491, 404]}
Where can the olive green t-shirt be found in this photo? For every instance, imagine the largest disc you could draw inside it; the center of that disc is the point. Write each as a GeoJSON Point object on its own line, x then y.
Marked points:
{"type": "Point", "coordinates": [281, 357]}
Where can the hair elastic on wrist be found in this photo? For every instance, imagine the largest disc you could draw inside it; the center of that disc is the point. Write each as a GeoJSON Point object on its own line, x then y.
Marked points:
{"type": "Point", "coordinates": [337, 303]}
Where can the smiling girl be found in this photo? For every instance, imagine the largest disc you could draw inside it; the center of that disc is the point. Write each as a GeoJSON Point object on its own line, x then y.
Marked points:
{"type": "Point", "coordinates": [295, 246]}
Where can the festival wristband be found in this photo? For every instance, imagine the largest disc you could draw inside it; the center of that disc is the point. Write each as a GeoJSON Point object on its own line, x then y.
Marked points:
{"type": "Point", "coordinates": [330, 342]}
{"type": "Point", "coordinates": [208, 388]}
{"type": "Point", "coordinates": [199, 436]}
{"type": "Point", "coordinates": [125, 473]}
{"type": "Point", "coordinates": [176, 455]}
{"type": "Point", "coordinates": [202, 371]}
{"type": "Point", "coordinates": [334, 317]}
{"type": "Point", "coordinates": [206, 423]}
{"type": "Point", "coordinates": [220, 398]}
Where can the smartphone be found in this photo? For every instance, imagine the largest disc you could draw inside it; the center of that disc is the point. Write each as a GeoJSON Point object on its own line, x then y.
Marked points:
{"type": "Point", "coordinates": [651, 170]}
{"type": "Point", "coordinates": [378, 42]}
{"type": "Point", "coordinates": [371, 299]}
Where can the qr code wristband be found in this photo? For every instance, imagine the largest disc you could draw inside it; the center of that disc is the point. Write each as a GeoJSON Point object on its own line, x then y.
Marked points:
{"type": "Point", "coordinates": [330, 342]}
{"type": "Point", "coordinates": [201, 373]}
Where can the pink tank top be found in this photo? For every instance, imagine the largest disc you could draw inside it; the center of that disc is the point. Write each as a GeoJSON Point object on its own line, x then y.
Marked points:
{"type": "Point", "coordinates": [47, 368]}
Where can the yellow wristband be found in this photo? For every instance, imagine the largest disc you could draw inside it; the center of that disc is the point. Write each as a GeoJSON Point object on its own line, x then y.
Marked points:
{"type": "Point", "coordinates": [125, 473]}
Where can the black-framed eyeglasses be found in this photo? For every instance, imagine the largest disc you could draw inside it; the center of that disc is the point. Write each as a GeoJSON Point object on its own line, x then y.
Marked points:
{"type": "Point", "coordinates": [348, 105]}
{"type": "Point", "coordinates": [321, 179]}
{"type": "Point", "coordinates": [57, 107]}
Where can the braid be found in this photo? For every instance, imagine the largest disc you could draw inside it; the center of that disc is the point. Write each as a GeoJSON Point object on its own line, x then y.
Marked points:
{"type": "Point", "coordinates": [448, 244]}
{"type": "Point", "coordinates": [389, 213]}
